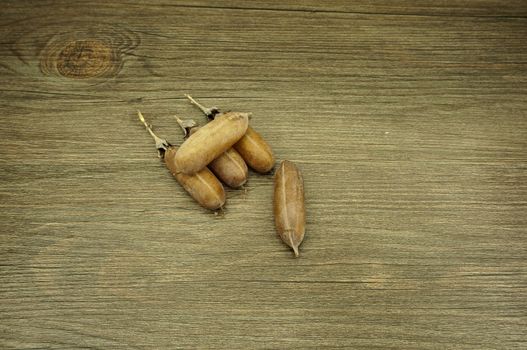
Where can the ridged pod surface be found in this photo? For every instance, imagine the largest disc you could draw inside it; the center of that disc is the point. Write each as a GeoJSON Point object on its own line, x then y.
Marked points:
{"type": "Point", "coordinates": [255, 151]}
{"type": "Point", "coordinates": [210, 141]}
{"type": "Point", "coordinates": [252, 147]}
{"type": "Point", "coordinates": [203, 186]}
{"type": "Point", "coordinates": [230, 168]}
{"type": "Point", "coordinates": [289, 208]}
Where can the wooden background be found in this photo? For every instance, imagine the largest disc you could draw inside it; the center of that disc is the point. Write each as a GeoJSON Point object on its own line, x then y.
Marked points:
{"type": "Point", "coordinates": [407, 118]}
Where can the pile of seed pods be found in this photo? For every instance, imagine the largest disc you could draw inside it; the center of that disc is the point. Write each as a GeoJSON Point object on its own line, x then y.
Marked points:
{"type": "Point", "coordinates": [221, 151]}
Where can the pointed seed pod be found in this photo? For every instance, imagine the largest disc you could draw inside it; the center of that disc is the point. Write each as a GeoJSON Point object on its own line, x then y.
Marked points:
{"type": "Point", "coordinates": [229, 167]}
{"type": "Point", "coordinates": [203, 186]}
{"type": "Point", "coordinates": [210, 141]}
{"type": "Point", "coordinates": [289, 210]}
{"type": "Point", "coordinates": [252, 147]}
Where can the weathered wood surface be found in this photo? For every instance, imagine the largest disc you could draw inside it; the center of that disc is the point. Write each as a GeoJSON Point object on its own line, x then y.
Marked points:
{"type": "Point", "coordinates": [408, 120]}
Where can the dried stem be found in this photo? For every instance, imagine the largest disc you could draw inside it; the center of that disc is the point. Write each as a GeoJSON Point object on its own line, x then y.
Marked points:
{"type": "Point", "coordinates": [186, 125]}
{"type": "Point", "coordinates": [161, 144]}
{"type": "Point", "coordinates": [209, 112]}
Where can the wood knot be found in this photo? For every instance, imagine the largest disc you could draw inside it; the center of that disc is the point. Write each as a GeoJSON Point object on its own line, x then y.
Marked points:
{"type": "Point", "coordinates": [87, 53]}
{"type": "Point", "coordinates": [81, 59]}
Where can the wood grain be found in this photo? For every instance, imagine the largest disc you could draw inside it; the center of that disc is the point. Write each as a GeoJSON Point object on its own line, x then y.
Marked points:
{"type": "Point", "coordinates": [406, 118]}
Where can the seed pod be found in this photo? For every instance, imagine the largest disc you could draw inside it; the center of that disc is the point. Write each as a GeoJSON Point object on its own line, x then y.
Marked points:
{"type": "Point", "coordinates": [289, 210]}
{"type": "Point", "coordinates": [203, 186]}
{"type": "Point", "coordinates": [255, 151]}
{"type": "Point", "coordinates": [229, 167]}
{"type": "Point", "coordinates": [252, 147]}
{"type": "Point", "coordinates": [211, 140]}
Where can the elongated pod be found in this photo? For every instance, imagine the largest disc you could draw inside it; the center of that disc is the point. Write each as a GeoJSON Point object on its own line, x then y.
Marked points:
{"type": "Point", "coordinates": [203, 186]}
{"type": "Point", "coordinates": [255, 151]}
{"type": "Point", "coordinates": [210, 141]}
{"type": "Point", "coordinates": [252, 147]}
{"type": "Point", "coordinates": [229, 167]}
{"type": "Point", "coordinates": [289, 210]}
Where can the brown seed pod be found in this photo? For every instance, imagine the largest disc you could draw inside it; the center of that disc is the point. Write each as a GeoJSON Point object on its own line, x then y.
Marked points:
{"type": "Point", "coordinates": [252, 147]}
{"type": "Point", "coordinates": [203, 186]}
{"type": "Point", "coordinates": [289, 210]}
{"type": "Point", "coordinates": [255, 151]}
{"type": "Point", "coordinates": [229, 167]}
{"type": "Point", "coordinates": [210, 141]}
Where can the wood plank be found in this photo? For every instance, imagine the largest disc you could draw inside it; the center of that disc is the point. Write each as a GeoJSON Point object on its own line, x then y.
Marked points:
{"type": "Point", "coordinates": [451, 8]}
{"type": "Point", "coordinates": [407, 120]}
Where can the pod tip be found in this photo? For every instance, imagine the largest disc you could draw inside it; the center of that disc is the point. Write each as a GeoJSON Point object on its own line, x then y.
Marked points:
{"type": "Point", "coordinates": [289, 235]}
{"type": "Point", "coordinates": [295, 250]}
